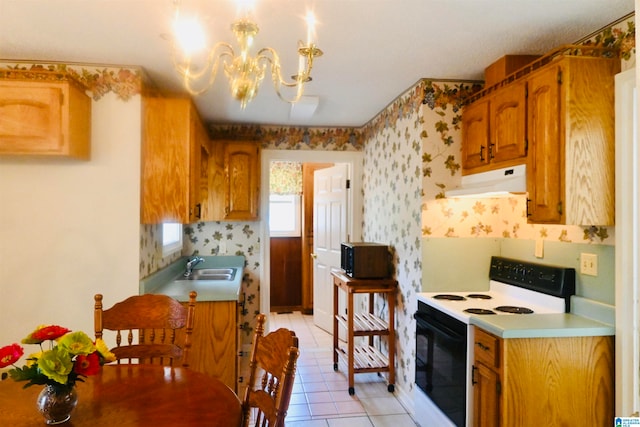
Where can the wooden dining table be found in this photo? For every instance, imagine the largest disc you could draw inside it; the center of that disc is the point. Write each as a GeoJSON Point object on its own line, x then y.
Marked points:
{"type": "Point", "coordinates": [132, 395]}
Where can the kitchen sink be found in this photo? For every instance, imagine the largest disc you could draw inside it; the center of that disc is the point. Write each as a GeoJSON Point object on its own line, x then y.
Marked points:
{"type": "Point", "coordinates": [224, 274]}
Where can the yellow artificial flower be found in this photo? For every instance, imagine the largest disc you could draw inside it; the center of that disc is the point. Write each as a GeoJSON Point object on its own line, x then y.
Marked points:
{"type": "Point", "coordinates": [107, 355]}
{"type": "Point", "coordinates": [56, 364]}
{"type": "Point", "coordinates": [77, 343]}
{"type": "Point", "coordinates": [33, 358]}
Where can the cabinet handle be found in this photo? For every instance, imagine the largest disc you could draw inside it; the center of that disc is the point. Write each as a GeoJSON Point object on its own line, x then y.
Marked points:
{"type": "Point", "coordinates": [528, 211]}
{"type": "Point", "coordinates": [473, 375]}
{"type": "Point", "coordinates": [482, 147]}
{"type": "Point", "coordinates": [482, 346]}
{"type": "Point", "coordinates": [198, 211]}
{"type": "Point", "coordinates": [491, 151]}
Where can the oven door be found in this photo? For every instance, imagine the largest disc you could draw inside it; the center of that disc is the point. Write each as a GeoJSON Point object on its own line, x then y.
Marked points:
{"type": "Point", "coordinates": [441, 360]}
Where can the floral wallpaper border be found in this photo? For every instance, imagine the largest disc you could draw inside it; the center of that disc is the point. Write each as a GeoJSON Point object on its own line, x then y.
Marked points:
{"type": "Point", "coordinates": [292, 138]}
{"type": "Point", "coordinates": [124, 82]}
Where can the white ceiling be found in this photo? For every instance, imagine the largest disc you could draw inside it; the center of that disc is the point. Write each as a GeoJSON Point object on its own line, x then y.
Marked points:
{"type": "Point", "coordinates": [374, 49]}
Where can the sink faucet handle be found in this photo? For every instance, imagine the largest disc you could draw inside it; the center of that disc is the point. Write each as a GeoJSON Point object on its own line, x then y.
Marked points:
{"type": "Point", "coordinates": [192, 263]}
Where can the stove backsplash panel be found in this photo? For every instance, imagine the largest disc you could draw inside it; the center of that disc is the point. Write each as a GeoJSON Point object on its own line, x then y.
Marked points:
{"type": "Point", "coordinates": [457, 264]}
{"type": "Point", "coordinates": [462, 264]}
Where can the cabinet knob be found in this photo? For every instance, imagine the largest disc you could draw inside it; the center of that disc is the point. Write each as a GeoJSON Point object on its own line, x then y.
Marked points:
{"type": "Point", "coordinates": [314, 255]}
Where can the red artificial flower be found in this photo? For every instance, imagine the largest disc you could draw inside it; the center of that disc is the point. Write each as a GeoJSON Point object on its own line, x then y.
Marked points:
{"type": "Point", "coordinates": [87, 365]}
{"type": "Point", "coordinates": [43, 333]}
{"type": "Point", "coordinates": [10, 355]}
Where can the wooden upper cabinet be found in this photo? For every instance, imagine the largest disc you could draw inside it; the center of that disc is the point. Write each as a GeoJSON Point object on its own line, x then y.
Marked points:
{"type": "Point", "coordinates": [241, 180]}
{"type": "Point", "coordinates": [493, 130]}
{"type": "Point", "coordinates": [508, 118]}
{"type": "Point", "coordinates": [45, 118]}
{"type": "Point", "coordinates": [475, 134]}
{"type": "Point", "coordinates": [173, 142]}
{"type": "Point", "coordinates": [544, 184]}
{"type": "Point", "coordinates": [203, 184]}
{"type": "Point", "coordinates": [234, 180]}
{"type": "Point", "coordinates": [571, 127]}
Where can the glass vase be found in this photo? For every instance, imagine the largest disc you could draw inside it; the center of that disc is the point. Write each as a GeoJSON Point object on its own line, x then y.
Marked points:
{"type": "Point", "coordinates": [56, 403]}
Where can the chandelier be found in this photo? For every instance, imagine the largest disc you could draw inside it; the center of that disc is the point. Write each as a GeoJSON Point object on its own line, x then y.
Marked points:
{"type": "Point", "coordinates": [198, 65]}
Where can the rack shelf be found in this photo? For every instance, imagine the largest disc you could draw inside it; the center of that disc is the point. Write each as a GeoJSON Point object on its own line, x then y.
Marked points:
{"type": "Point", "coordinates": [364, 358]}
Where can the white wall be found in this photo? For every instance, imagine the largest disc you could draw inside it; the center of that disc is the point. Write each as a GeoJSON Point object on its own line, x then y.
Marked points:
{"type": "Point", "coordinates": [70, 229]}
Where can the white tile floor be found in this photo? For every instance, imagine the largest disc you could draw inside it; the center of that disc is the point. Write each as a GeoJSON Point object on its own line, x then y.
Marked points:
{"type": "Point", "coordinates": [320, 394]}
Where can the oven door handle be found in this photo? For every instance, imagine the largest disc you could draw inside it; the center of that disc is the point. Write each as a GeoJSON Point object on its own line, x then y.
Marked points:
{"type": "Point", "coordinates": [429, 322]}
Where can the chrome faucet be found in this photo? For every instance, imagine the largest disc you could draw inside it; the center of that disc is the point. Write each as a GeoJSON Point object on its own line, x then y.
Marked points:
{"type": "Point", "coordinates": [192, 263]}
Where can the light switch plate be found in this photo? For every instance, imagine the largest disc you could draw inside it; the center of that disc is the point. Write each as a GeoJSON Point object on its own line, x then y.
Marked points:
{"type": "Point", "coordinates": [589, 264]}
{"type": "Point", "coordinates": [539, 252]}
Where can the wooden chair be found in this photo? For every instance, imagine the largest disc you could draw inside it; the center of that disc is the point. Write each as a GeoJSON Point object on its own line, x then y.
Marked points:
{"type": "Point", "coordinates": [273, 369]}
{"type": "Point", "coordinates": [161, 323]}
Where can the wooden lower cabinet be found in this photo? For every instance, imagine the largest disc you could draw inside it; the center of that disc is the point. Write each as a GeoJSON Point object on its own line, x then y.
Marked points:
{"type": "Point", "coordinates": [486, 396]}
{"type": "Point", "coordinates": [543, 381]}
{"type": "Point", "coordinates": [214, 344]}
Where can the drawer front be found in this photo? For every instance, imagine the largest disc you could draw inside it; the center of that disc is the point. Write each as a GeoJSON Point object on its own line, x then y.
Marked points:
{"type": "Point", "coordinates": [486, 348]}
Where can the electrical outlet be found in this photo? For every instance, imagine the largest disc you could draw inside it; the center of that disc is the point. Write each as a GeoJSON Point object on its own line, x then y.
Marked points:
{"type": "Point", "coordinates": [589, 264]}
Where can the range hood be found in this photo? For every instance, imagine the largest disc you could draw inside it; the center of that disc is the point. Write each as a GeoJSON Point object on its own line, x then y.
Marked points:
{"type": "Point", "coordinates": [495, 183]}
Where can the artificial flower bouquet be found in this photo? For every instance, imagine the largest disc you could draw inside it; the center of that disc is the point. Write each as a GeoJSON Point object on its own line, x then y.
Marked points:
{"type": "Point", "coordinates": [73, 357]}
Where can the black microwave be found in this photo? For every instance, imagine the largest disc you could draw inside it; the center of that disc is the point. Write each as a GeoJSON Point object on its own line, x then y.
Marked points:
{"type": "Point", "coordinates": [365, 260]}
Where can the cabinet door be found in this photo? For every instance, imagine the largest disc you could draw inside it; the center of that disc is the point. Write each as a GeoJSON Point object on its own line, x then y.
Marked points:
{"type": "Point", "coordinates": [166, 154]}
{"type": "Point", "coordinates": [195, 167]}
{"type": "Point", "coordinates": [242, 180]}
{"type": "Point", "coordinates": [486, 397]}
{"type": "Point", "coordinates": [214, 342]}
{"type": "Point", "coordinates": [544, 174]}
{"type": "Point", "coordinates": [38, 118]}
{"type": "Point", "coordinates": [206, 206]}
{"type": "Point", "coordinates": [475, 134]}
{"type": "Point", "coordinates": [507, 127]}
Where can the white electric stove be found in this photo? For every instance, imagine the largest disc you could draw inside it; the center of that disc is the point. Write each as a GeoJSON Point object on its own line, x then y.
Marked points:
{"type": "Point", "coordinates": [444, 340]}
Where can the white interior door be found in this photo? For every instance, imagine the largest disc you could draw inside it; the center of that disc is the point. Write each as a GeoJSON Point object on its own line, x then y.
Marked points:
{"type": "Point", "coordinates": [329, 230]}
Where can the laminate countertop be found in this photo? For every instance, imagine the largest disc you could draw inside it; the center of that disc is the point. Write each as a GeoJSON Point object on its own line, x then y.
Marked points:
{"type": "Point", "coordinates": [541, 325]}
{"type": "Point", "coordinates": [164, 281]}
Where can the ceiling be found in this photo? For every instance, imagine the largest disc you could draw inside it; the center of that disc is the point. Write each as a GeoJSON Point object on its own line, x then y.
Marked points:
{"type": "Point", "coordinates": [373, 49]}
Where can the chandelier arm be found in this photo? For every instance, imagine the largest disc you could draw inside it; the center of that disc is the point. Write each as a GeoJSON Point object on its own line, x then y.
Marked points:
{"type": "Point", "coordinates": [269, 56]}
{"type": "Point", "coordinates": [192, 75]}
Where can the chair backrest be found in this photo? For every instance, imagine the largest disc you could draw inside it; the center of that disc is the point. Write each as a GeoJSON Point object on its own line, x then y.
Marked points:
{"type": "Point", "coordinates": [272, 372]}
{"type": "Point", "coordinates": [162, 324]}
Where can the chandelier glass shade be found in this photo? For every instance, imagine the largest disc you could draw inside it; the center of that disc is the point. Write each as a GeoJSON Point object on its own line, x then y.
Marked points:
{"type": "Point", "coordinates": [243, 71]}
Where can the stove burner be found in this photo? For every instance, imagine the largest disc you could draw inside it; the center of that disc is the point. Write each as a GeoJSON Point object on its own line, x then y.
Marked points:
{"type": "Point", "coordinates": [514, 310]}
{"type": "Point", "coordinates": [449, 297]}
{"type": "Point", "coordinates": [479, 311]}
{"type": "Point", "coordinates": [479, 296]}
